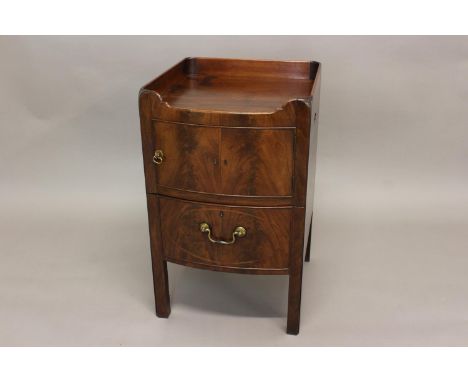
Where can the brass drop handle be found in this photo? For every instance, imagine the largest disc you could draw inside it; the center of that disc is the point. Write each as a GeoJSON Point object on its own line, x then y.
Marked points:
{"type": "Point", "coordinates": [238, 232]}
{"type": "Point", "coordinates": [158, 157]}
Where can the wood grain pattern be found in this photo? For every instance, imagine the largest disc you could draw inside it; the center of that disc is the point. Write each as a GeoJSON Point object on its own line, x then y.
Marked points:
{"type": "Point", "coordinates": [266, 244]}
{"type": "Point", "coordinates": [233, 85]}
{"type": "Point", "coordinates": [240, 200]}
{"type": "Point", "coordinates": [229, 269]}
{"type": "Point", "coordinates": [257, 162]}
{"type": "Point", "coordinates": [231, 92]}
{"type": "Point", "coordinates": [191, 156]}
{"type": "Point", "coordinates": [160, 278]}
{"type": "Point", "coordinates": [240, 140]}
{"type": "Point", "coordinates": [229, 161]}
{"type": "Point", "coordinates": [258, 69]}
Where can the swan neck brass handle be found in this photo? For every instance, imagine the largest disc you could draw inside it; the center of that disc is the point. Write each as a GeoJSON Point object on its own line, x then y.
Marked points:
{"type": "Point", "coordinates": [158, 157]}
{"type": "Point", "coordinates": [238, 232]}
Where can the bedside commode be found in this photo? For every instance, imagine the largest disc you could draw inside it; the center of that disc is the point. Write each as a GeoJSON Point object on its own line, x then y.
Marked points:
{"type": "Point", "coordinates": [229, 150]}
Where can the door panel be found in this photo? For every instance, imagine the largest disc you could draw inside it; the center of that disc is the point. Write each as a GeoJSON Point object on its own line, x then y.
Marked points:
{"type": "Point", "coordinates": [190, 156]}
{"type": "Point", "coordinates": [257, 162]}
{"type": "Point", "coordinates": [227, 161]}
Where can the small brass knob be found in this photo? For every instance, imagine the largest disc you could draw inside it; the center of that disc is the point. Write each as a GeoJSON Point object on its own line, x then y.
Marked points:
{"type": "Point", "coordinates": [158, 157]}
{"type": "Point", "coordinates": [204, 227]}
{"type": "Point", "coordinates": [240, 232]}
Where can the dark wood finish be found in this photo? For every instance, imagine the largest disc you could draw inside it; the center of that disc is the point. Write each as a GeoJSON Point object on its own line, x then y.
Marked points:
{"type": "Point", "coordinates": [227, 161]}
{"type": "Point", "coordinates": [307, 253]}
{"type": "Point", "coordinates": [313, 139]}
{"type": "Point", "coordinates": [256, 162]}
{"type": "Point", "coordinates": [295, 270]}
{"type": "Point", "coordinates": [241, 200]}
{"type": "Point", "coordinates": [265, 246]}
{"type": "Point", "coordinates": [258, 69]}
{"type": "Point", "coordinates": [160, 279]}
{"type": "Point", "coordinates": [221, 268]}
{"type": "Point", "coordinates": [210, 85]}
{"type": "Point", "coordinates": [191, 157]}
{"type": "Point", "coordinates": [240, 142]}
{"type": "Point", "coordinates": [269, 97]}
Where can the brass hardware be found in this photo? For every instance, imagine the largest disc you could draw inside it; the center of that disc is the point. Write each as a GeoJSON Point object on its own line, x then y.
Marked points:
{"type": "Point", "coordinates": [158, 157]}
{"type": "Point", "coordinates": [238, 231]}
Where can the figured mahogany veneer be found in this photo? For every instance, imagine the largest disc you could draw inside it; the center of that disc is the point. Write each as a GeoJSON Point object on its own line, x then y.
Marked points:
{"type": "Point", "coordinates": [219, 160]}
{"type": "Point", "coordinates": [234, 144]}
{"type": "Point", "coordinates": [264, 249]}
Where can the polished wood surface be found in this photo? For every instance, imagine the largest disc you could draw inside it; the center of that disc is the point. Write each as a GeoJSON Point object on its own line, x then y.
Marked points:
{"type": "Point", "coordinates": [265, 246]}
{"type": "Point", "coordinates": [257, 93]}
{"type": "Point", "coordinates": [239, 139]}
{"type": "Point", "coordinates": [240, 200]}
{"type": "Point", "coordinates": [218, 160]}
{"type": "Point", "coordinates": [256, 69]}
{"type": "Point", "coordinates": [295, 270]}
{"type": "Point", "coordinates": [235, 85]}
{"type": "Point", "coordinates": [211, 92]}
{"type": "Point", "coordinates": [191, 156]}
{"type": "Point", "coordinates": [159, 265]}
{"type": "Point", "coordinates": [256, 162]}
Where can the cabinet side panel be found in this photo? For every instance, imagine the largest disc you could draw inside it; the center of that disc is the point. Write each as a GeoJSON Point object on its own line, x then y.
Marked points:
{"type": "Point", "coordinates": [301, 151]}
{"type": "Point", "coordinates": [312, 158]}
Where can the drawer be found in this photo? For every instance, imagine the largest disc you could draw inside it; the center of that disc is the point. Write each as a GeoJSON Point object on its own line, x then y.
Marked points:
{"type": "Point", "coordinates": [265, 244]}
{"type": "Point", "coordinates": [218, 160]}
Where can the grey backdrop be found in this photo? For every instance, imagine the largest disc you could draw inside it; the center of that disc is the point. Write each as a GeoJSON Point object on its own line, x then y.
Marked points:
{"type": "Point", "coordinates": [390, 240]}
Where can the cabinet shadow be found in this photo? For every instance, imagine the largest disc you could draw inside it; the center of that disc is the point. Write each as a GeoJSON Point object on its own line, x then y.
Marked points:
{"type": "Point", "coordinates": [228, 293]}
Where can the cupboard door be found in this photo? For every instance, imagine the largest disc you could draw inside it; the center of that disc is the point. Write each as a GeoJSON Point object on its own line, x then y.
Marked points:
{"type": "Point", "coordinates": [189, 156]}
{"type": "Point", "coordinates": [257, 162]}
{"type": "Point", "coordinates": [227, 161]}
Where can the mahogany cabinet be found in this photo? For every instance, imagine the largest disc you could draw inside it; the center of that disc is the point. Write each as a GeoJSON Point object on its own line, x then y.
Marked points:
{"type": "Point", "coordinates": [229, 150]}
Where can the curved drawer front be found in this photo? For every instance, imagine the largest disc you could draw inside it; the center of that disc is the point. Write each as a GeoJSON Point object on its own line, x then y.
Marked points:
{"type": "Point", "coordinates": [264, 246]}
{"type": "Point", "coordinates": [226, 161]}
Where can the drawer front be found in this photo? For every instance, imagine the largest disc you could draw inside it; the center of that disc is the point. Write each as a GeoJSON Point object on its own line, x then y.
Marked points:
{"type": "Point", "coordinates": [225, 161]}
{"type": "Point", "coordinates": [264, 246]}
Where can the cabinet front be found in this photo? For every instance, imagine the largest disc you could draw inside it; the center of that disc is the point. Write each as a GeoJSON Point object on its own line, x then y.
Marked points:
{"type": "Point", "coordinates": [219, 160]}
